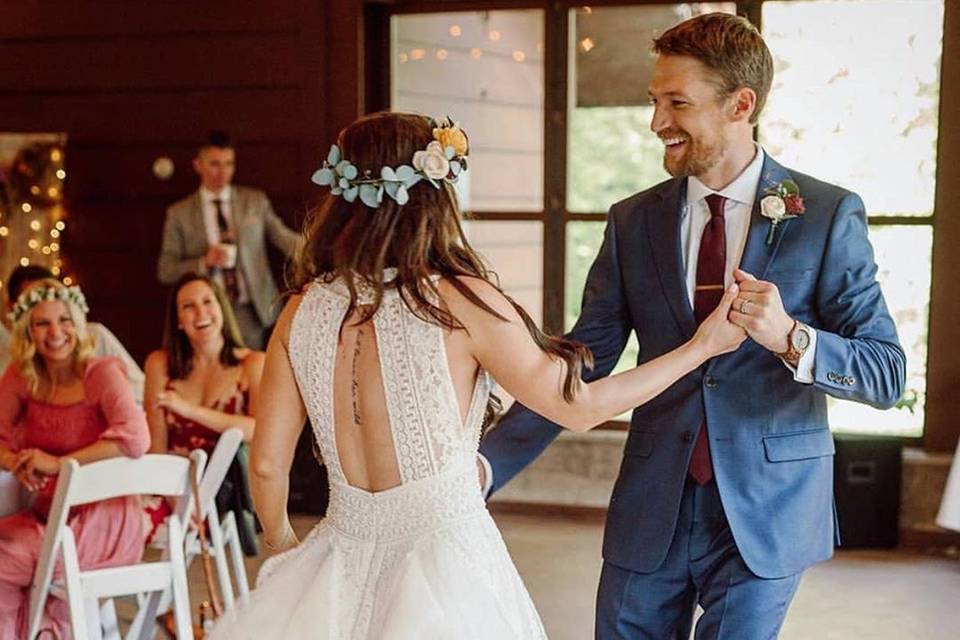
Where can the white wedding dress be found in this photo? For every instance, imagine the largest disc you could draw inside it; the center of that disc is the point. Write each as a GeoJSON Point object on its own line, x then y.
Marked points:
{"type": "Point", "coordinates": [423, 560]}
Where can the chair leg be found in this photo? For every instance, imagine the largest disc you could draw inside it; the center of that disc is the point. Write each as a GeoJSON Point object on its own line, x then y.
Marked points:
{"type": "Point", "coordinates": [181, 594]}
{"type": "Point", "coordinates": [94, 630]}
{"type": "Point", "coordinates": [220, 560]}
{"type": "Point", "coordinates": [75, 601]}
{"type": "Point", "coordinates": [144, 625]}
{"type": "Point", "coordinates": [108, 620]}
{"type": "Point", "coordinates": [232, 542]}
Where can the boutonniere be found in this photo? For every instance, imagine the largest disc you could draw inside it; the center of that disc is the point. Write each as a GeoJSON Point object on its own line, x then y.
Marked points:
{"type": "Point", "coordinates": [781, 202]}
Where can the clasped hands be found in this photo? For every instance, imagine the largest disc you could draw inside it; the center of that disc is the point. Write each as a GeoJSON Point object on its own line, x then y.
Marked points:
{"type": "Point", "coordinates": [33, 468]}
{"type": "Point", "coordinates": [758, 310]}
{"type": "Point", "coordinates": [751, 309]}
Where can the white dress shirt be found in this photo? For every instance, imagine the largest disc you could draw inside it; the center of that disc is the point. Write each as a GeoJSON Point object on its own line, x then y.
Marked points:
{"type": "Point", "coordinates": [212, 228]}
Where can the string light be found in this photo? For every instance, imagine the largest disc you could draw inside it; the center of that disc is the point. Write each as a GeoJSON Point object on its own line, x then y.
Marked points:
{"type": "Point", "coordinates": [494, 35]}
{"type": "Point", "coordinates": [35, 225]}
{"type": "Point", "coordinates": [4, 231]}
{"type": "Point", "coordinates": [61, 174]}
{"type": "Point", "coordinates": [519, 56]}
{"type": "Point", "coordinates": [417, 54]}
{"type": "Point", "coordinates": [26, 207]}
{"type": "Point", "coordinates": [587, 44]}
{"type": "Point", "coordinates": [455, 30]}
{"type": "Point", "coordinates": [404, 57]}
{"type": "Point", "coordinates": [33, 243]}
{"type": "Point", "coordinates": [442, 54]}
{"type": "Point", "coordinates": [68, 281]}
{"type": "Point", "coordinates": [475, 53]}
{"type": "Point", "coordinates": [24, 262]}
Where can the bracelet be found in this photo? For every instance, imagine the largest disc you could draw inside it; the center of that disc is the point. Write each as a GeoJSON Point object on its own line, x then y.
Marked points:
{"type": "Point", "coordinates": [283, 542]}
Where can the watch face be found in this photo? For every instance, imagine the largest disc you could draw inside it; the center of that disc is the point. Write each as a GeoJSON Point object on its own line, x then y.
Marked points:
{"type": "Point", "coordinates": [801, 339]}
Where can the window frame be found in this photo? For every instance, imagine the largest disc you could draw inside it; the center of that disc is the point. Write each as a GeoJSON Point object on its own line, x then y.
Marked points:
{"type": "Point", "coordinates": [940, 429]}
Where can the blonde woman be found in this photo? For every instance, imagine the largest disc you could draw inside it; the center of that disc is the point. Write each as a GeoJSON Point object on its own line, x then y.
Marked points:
{"type": "Point", "coordinates": [57, 401]}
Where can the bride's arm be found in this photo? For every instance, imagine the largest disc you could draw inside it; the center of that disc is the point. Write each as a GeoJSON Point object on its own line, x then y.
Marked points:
{"type": "Point", "coordinates": [279, 418]}
{"type": "Point", "coordinates": [507, 351]}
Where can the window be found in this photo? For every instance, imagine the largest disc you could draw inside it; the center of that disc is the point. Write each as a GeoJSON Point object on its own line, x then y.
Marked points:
{"type": "Point", "coordinates": [850, 105]}
{"type": "Point", "coordinates": [873, 130]}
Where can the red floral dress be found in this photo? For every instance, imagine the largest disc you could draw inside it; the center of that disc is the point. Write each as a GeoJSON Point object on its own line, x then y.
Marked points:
{"type": "Point", "coordinates": [183, 436]}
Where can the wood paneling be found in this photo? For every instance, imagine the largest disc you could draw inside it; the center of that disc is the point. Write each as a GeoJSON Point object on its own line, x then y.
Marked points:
{"type": "Point", "coordinates": [131, 80]}
{"type": "Point", "coordinates": [86, 19]}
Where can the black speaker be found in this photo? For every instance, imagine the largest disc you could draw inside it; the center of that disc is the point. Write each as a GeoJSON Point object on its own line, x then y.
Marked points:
{"type": "Point", "coordinates": [867, 490]}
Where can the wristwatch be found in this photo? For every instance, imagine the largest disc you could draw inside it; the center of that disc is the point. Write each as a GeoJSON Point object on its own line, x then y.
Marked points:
{"type": "Point", "coordinates": [798, 341]}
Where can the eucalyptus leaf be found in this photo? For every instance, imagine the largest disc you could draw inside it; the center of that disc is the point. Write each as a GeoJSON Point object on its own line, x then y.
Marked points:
{"type": "Point", "coordinates": [343, 183]}
{"type": "Point", "coordinates": [350, 172]}
{"type": "Point", "coordinates": [336, 191]}
{"type": "Point", "coordinates": [455, 167]}
{"type": "Point", "coordinates": [341, 167]}
{"type": "Point", "coordinates": [449, 152]}
{"type": "Point", "coordinates": [368, 195]}
{"type": "Point", "coordinates": [323, 177]}
{"type": "Point", "coordinates": [380, 194]}
{"type": "Point", "coordinates": [391, 188]}
{"type": "Point", "coordinates": [402, 196]}
{"type": "Point", "coordinates": [388, 173]}
{"type": "Point", "coordinates": [351, 194]}
{"type": "Point", "coordinates": [334, 156]}
{"type": "Point", "coordinates": [412, 180]}
{"type": "Point", "coordinates": [404, 172]}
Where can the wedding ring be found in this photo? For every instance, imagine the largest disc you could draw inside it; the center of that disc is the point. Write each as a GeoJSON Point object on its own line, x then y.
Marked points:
{"type": "Point", "coordinates": [743, 307]}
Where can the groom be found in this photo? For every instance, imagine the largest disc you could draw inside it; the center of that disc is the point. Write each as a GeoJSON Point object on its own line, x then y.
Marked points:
{"type": "Point", "coordinates": [725, 492]}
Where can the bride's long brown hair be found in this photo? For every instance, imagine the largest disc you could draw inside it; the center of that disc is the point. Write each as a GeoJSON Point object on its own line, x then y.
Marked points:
{"type": "Point", "coordinates": [419, 239]}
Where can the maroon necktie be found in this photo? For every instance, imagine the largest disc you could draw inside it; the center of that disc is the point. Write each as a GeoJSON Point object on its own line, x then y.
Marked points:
{"type": "Point", "coordinates": [711, 262]}
{"type": "Point", "coordinates": [226, 237]}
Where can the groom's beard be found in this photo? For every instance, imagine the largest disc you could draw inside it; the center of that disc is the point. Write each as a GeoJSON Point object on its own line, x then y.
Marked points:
{"type": "Point", "coordinates": [697, 157]}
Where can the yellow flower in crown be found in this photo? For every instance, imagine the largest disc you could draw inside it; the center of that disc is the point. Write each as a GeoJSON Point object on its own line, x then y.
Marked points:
{"type": "Point", "coordinates": [451, 135]}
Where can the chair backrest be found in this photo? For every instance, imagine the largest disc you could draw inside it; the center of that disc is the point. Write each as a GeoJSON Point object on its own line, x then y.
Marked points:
{"type": "Point", "coordinates": [159, 474]}
{"type": "Point", "coordinates": [217, 467]}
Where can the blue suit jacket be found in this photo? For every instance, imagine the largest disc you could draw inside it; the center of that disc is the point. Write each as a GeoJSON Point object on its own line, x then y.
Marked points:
{"type": "Point", "coordinates": [771, 448]}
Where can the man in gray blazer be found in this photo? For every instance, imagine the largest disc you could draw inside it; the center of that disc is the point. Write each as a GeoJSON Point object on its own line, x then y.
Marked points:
{"type": "Point", "coordinates": [221, 230]}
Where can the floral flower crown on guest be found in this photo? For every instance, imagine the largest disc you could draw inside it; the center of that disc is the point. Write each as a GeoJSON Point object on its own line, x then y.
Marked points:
{"type": "Point", "coordinates": [36, 294]}
{"type": "Point", "coordinates": [444, 159]}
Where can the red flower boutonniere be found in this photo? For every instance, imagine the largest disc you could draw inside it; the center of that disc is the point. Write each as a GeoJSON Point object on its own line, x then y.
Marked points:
{"type": "Point", "coordinates": [781, 202]}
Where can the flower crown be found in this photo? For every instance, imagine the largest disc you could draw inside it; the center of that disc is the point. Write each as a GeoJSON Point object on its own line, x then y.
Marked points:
{"type": "Point", "coordinates": [35, 295]}
{"type": "Point", "coordinates": [443, 160]}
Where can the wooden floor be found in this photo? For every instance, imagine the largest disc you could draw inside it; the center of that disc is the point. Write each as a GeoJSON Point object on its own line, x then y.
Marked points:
{"type": "Point", "coordinates": [859, 594]}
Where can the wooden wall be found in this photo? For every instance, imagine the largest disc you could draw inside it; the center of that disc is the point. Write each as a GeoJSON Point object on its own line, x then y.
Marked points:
{"type": "Point", "coordinates": [131, 80]}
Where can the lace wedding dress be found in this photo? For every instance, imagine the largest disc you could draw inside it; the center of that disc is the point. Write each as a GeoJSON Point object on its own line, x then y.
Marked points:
{"type": "Point", "coordinates": [423, 560]}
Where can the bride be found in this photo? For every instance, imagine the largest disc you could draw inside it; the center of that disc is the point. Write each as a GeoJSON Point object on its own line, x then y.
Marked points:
{"type": "Point", "coordinates": [389, 349]}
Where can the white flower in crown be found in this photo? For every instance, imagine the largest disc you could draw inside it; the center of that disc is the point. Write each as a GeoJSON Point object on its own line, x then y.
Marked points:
{"type": "Point", "coordinates": [432, 161]}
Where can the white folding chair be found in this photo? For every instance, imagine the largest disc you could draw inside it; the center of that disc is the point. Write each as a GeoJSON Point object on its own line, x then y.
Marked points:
{"type": "Point", "coordinates": [165, 475]}
{"type": "Point", "coordinates": [224, 538]}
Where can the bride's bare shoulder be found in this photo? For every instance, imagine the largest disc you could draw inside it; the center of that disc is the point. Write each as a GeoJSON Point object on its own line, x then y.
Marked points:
{"type": "Point", "coordinates": [458, 291]}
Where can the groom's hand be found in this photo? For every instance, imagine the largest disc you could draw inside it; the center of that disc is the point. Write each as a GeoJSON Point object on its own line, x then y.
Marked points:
{"type": "Point", "coordinates": [759, 311]}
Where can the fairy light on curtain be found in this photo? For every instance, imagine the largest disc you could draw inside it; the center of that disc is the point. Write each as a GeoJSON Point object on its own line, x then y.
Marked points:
{"type": "Point", "coordinates": [32, 215]}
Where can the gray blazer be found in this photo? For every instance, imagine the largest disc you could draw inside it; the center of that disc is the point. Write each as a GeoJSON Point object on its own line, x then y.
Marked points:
{"type": "Point", "coordinates": [185, 243]}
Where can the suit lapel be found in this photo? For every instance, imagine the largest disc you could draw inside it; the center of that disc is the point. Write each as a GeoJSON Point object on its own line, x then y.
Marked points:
{"type": "Point", "coordinates": [664, 233]}
{"type": "Point", "coordinates": [199, 229]}
{"type": "Point", "coordinates": [757, 254]}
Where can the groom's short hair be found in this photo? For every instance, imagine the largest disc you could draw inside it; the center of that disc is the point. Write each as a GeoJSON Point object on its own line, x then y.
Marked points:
{"type": "Point", "coordinates": [728, 45]}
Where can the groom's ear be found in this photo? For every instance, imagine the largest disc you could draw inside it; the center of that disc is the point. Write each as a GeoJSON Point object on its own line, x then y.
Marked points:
{"type": "Point", "coordinates": [743, 102]}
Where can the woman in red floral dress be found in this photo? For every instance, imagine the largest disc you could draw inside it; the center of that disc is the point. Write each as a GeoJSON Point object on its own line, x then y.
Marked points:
{"type": "Point", "coordinates": [200, 384]}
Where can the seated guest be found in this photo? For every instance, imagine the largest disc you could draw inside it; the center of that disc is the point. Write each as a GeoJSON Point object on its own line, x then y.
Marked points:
{"type": "Point", "coordinates": [105, 343]}
{"type": "Point", "coordinates": [57, 400]}
{"type": "Point", "coordinates": [200, 384]}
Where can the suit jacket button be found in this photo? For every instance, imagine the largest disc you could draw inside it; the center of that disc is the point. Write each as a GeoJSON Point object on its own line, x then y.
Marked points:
{"type": "Point", "coordinates": [711, 382]}
{"type": "Point", "coordinates": [853, 380]}
{"type": "Point", "coordinates": [686, 436]}
{"type": "Point", "coordinates": [831, 376]}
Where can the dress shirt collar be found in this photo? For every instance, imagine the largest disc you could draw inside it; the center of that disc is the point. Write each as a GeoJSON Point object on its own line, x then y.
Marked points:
{"type": "Point", "coordinates": [743, 189]}
{"type": "Point", "coordinates": [207, 196]}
